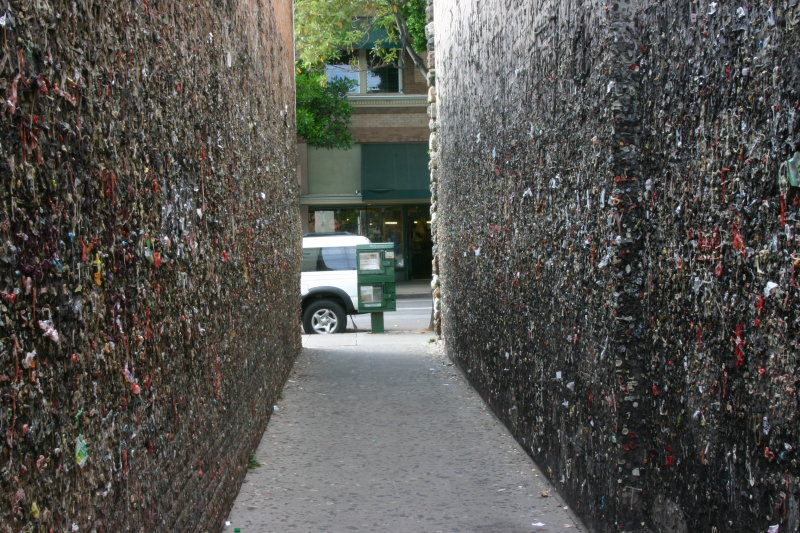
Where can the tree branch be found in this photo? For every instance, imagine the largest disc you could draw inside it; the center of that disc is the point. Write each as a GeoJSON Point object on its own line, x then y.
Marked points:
{"type": "Point", "coordinates": [405, 38]}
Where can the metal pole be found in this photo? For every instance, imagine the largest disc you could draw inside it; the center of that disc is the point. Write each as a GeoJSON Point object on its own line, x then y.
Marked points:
{"type": "Point", "coordinates": [377, 322]}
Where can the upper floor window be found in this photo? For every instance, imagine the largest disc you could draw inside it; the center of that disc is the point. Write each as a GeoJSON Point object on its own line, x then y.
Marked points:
{"type": "Point", "coordinates": [368, 74]}
{"type": "Point", "coordinates": [346, 67]}
{"type": "Point", "coordinates": [381, 78]}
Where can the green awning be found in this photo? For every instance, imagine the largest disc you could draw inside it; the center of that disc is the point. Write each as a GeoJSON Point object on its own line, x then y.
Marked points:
{"type": "Point", "coordinates": [395, 171]}
{"type": "Point", "coordinates": [373, 36]}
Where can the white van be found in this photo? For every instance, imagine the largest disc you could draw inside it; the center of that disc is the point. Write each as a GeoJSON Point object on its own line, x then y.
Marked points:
{"type": "Point", "coordinates": [329, 281]}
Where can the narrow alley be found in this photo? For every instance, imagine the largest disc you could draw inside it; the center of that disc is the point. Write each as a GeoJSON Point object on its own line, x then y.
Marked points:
{"type": "Point", "coordinates": [382, 433]}
{"type": "Point", "coordinates": [601, 198]}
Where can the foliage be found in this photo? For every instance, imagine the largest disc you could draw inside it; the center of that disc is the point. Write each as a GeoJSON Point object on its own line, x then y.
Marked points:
{"type": "Point", "coordinates": [323, 28]}
{"type": "Point", "coordinates": [326, 28]}
{"type": "Point", "coordinates": [323, 112]}
{"type": "Point", "coordinates": [412, 13]}
{"type": "Point", "coordinates": [417, 19]}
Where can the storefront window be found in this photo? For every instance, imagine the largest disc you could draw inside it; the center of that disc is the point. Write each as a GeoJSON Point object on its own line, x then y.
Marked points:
{"type": "Point", "coordinates": [348, 220]}
{"type": "Point", "coordinates": [385, 224]}
{"type": "Point", "coordinates": [408, 227]}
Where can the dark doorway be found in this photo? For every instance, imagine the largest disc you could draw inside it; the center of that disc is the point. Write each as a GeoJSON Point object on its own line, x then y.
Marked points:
{"type": "Point", "coordinates": [420, 243]}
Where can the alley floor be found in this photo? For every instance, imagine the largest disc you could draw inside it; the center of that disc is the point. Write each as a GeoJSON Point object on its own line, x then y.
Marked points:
{"type": "Point", "coordinates": [381, 433]}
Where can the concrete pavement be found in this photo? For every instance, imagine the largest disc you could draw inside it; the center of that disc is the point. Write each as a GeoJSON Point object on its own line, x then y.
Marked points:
{"type": "Point", "coordinates": [381, 433]}
{"type": "Point", "coordinates": [416, 288]}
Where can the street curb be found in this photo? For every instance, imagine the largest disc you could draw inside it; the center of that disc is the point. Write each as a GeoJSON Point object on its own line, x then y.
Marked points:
{"type": "Point", "coordinates": [410, 296]}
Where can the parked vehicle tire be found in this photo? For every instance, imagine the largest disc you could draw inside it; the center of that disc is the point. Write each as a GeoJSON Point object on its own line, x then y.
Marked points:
{"type": "Point", "coordinates": [324, 316]}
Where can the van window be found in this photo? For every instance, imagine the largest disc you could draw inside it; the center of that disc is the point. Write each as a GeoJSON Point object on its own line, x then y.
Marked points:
{"type": "Point", "coordinates": [332, 258]}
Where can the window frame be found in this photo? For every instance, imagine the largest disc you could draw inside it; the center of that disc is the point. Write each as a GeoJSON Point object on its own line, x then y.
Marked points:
{"type": "Point", "coordinates": [363, 69]}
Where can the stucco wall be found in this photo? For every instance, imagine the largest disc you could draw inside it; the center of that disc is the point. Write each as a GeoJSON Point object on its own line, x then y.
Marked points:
{"type": "Point", "coordinates": [618, 253]}
{"type": "Point", "coordinates": [149, 250]}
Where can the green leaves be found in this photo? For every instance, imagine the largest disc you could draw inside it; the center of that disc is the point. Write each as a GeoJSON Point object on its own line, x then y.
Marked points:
{"type": "Point", "coordinates": [323, 112]}
{"type": "Point", "coordinates": [416, 20]}
{"type": "Point", "coordinates": [324, 28]}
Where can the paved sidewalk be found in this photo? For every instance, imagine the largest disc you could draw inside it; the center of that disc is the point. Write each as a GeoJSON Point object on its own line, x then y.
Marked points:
{"type": "Point", "coordinates": [380, 433]}
{"type": "Point", "coordinates": [417, 288]}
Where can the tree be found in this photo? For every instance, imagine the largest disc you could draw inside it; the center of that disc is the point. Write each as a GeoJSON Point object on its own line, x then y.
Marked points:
{"type": "Point", "coordinates": [323, 112]}
{"type": "Point", "coordinates": [326, 28]}
{"type": "Point", "coordinates": [405, 23]}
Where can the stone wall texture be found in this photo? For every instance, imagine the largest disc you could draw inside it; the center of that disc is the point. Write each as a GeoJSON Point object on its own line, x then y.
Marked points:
{"type": "Point", "coordinates": [148, 256]}
{"type": "Point", "coordinates": [618, 248]}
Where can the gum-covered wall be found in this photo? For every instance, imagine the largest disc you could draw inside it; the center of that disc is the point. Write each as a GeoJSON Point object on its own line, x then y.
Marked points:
{"type": "Point", "coordinates": [617, 241]}
{"type": "Point", "coordinates": [148, 257]}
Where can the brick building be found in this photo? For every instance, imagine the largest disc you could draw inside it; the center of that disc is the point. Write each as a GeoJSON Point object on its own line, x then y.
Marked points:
{"type": "Point", "coordinates": [380, 186]}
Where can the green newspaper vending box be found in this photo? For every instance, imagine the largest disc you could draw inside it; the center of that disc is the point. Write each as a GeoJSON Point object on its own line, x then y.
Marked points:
{"type": "Point", "coordinates": [376, 281]}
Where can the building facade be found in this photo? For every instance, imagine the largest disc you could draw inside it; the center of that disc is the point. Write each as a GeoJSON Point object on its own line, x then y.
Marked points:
{"type": "Point", "coordinates": [379, 187]}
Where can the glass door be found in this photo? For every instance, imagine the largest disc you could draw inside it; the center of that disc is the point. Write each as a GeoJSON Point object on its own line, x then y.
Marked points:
{"type": "Point", "coordinates": [420, 250]}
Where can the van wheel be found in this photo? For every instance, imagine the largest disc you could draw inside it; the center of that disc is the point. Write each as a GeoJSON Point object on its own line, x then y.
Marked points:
{"type": "Point", "coordinates": [324, 316]}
